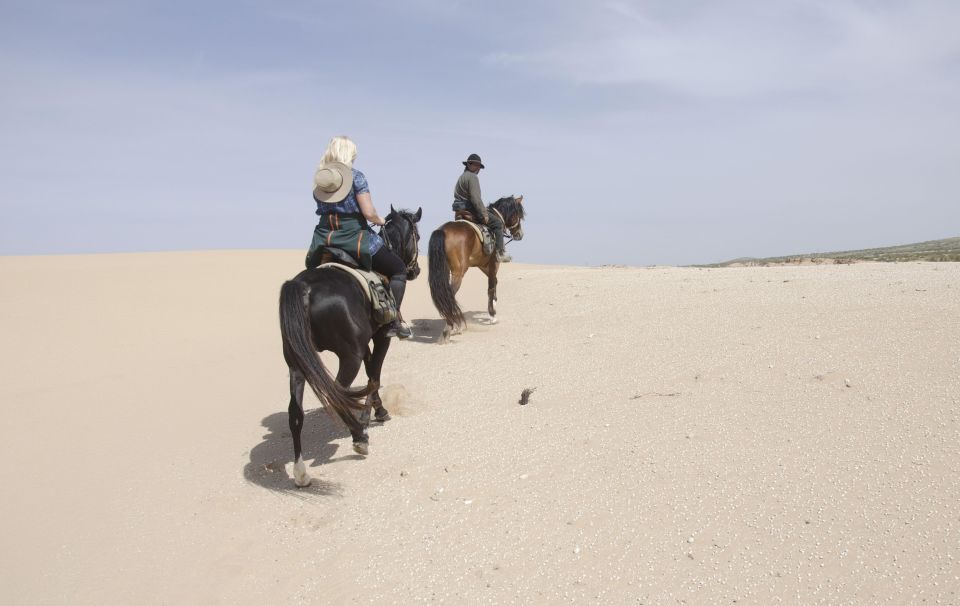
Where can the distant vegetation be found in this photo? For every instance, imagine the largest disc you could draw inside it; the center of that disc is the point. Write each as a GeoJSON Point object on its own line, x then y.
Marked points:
{"type": "Point", "coordinates": [934, 250]}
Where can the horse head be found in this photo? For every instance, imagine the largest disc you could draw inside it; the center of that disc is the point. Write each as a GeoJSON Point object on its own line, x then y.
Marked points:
{"type": "Point", "coordinates": [401, 235]}
{"type": "Point", "coordinates": [512, 211]}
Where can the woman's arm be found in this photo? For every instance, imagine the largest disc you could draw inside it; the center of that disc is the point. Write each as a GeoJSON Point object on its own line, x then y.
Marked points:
{"type": "Point", "coordinates": [366, 207]}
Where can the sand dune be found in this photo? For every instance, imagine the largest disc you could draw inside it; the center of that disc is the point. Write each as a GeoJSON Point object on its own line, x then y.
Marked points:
{"type": "Point", "coordinates": [759, 435]}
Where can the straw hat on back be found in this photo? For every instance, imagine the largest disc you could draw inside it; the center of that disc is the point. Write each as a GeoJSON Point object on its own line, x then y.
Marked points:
{"type": "Point", "coordinates": [333, 182]}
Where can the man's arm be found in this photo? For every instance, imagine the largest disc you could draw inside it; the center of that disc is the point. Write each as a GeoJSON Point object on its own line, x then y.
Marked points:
{"type": "Point", "coordinates": [477, 201]}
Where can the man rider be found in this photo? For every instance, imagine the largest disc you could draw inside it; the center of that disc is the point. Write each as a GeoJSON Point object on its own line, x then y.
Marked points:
{"type": "Point", "coordinates": [466, 195]}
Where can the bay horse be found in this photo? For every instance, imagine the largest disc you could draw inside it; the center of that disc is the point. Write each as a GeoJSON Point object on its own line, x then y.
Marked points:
{"type": "Point", "coordinates": [324, 309]}
{"type": "Point", "coordinates": [454, 248]}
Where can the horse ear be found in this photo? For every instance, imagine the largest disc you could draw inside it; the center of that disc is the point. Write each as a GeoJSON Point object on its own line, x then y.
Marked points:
{"type": "Point", "coordinates": [392, 212]}
{"type": "Point", "coordinates": [418, 215]}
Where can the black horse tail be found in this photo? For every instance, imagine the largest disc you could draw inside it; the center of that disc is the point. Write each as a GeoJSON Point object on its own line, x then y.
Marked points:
{"type": "Point", "coordinates": [298, 344]}
{"type": "Point", "coordinates": [440, 291]}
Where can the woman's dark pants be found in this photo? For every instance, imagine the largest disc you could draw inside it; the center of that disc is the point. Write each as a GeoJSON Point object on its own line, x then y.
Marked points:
{"type": "Point", "coordinates": [390, 265]}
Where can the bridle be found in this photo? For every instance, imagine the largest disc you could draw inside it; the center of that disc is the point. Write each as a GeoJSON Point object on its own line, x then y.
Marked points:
{"type": "Point", "coordinates": [412, 265]}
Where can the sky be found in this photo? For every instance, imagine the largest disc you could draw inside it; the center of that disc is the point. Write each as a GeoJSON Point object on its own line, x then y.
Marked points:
{"type": "Point", "coordinates": [639, 132]}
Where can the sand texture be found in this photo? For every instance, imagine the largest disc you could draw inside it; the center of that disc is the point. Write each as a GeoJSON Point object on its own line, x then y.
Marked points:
{"type": "Point", "coordinates": [700, 436]}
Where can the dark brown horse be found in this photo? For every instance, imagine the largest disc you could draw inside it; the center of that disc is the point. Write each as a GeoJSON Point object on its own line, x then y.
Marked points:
{"type": "Point", "coordinates": [454, 248]}
{"type": "Point", "coordinates": [324, 309]}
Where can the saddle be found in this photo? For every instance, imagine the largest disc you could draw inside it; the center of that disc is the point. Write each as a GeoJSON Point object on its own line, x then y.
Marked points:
{"type": "Point", "coordinates": [483, 232]}
{"type": "Point", "coordinates": [465, 215]}
{"type": "Point", "coordinates": [375, 286]}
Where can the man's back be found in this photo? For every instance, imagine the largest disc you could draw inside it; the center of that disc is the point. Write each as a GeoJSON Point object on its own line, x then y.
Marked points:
{"type": "Point", "coordinates": [467, 190]}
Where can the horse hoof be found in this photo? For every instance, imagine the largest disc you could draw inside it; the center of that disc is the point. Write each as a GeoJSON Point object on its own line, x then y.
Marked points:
{"type": "Point", "coordinates": [384, 418]}
{"type": "Point", "coordinates": [361, 448]}
{"type": "Point", "coordinates": [493, 319]}
{"type": "Point", "coordinates": [300, 476]}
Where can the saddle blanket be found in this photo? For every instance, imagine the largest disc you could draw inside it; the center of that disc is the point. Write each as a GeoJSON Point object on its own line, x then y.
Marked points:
{"type": "Point", "coordinates": [380, 298]}
{"type": "Point", "coordinates": [483, 232]}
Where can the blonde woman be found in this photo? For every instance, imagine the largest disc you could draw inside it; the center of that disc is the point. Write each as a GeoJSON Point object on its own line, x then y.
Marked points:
{"type": "Point", "coordinates": [344, 207]}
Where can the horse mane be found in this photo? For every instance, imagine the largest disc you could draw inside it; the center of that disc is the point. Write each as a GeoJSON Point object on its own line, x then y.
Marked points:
{"type": "Point", "coordinates": [402, 211]}
{"type": "Point", "coordinates": [508, 206]}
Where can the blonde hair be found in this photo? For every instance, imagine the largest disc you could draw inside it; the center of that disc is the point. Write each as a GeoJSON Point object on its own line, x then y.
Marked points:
{"type": "Point", "coordinates": [341, 149]}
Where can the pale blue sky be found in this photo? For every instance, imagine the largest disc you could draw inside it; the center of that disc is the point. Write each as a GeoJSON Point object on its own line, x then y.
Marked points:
{"type": "Point", "coordinates": [667, 132]}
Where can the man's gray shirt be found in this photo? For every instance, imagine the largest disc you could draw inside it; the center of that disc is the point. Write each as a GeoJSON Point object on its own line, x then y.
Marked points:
{"type": "Point", "coordinates": [467, 189]}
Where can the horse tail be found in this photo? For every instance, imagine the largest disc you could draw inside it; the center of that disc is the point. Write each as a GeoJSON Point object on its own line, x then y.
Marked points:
{"type": "Point", "coordinates": [298, 344]}
{"type": "Point", "coordinates": [441, 293]}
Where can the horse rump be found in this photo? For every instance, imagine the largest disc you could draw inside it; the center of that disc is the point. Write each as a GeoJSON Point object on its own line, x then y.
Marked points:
{"type": "Point", "coordinates": [300, 352]}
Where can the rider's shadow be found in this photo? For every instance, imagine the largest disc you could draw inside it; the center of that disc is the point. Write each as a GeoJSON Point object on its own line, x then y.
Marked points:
{"type": "Point", "coordinates": [270, 458]}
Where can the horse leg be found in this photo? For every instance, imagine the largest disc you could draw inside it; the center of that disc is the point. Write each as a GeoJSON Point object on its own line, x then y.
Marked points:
{"type": "Point", "coordinates": [492, 294]}
{"type": "Point", "coordinates": [349, 367]}
{"type": "Point", "coordinates": [373, 366]}
{"type": "Point", "coordinates": [456, 279]}
{"type": "Point", "coordinates": [491, 272]}
{"type": "Point", "coordinates": [295, 413]}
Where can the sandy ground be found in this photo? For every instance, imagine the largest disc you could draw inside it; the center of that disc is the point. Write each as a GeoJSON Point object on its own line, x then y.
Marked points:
{"type": "Point", "coordinates": [749, 435]}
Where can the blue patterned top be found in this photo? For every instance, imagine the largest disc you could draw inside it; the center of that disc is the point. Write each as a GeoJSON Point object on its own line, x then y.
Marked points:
{"type": "Point", "coordinates": [349, 206]}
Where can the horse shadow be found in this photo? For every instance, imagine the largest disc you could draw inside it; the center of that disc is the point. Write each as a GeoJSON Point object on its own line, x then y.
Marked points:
{"type": "Point", "coordinates": [479, 318]}
{"type": "Point", "coordinates": [269, 459]}
{"type": "Point", "coordinates": [428, 330]}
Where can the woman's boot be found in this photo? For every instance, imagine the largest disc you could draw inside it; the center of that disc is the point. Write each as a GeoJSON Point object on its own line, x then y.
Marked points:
{"type": "Point", "coordinates": [397, 327]}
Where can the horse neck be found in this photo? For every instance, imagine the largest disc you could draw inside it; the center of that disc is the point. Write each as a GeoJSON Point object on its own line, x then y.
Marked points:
{"type": "Point", "coordinates": [502, 212]}
{"type": "Point", "coordinates": [396, 243]}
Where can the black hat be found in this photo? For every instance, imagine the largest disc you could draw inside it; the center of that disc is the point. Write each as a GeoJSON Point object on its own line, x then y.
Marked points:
{"type": "Point", "coordinates": [474, 158]}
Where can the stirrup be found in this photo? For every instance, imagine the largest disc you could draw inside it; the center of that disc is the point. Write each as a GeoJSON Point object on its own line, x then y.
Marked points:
{"type": "Point", "coordinates": [399, 329]}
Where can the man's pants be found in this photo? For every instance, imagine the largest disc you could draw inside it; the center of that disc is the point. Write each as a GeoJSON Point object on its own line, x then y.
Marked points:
{"type": "Point", "coordinates": [496, 226]}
